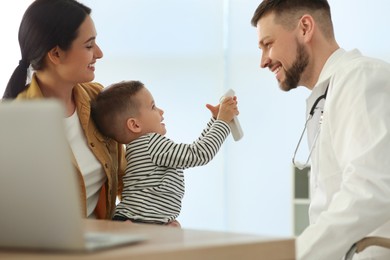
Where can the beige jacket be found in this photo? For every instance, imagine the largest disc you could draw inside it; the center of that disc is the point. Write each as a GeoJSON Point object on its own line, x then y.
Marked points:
{"type": "Point", "coordinates": [109, 153]}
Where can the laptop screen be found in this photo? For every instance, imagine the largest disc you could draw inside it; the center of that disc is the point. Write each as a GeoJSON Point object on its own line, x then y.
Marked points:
{"type": "Point", "coordinates": [39, 201]}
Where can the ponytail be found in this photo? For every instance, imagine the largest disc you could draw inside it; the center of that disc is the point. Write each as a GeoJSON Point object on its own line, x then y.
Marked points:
{"type": "Point", "coordinates": [17, 82]}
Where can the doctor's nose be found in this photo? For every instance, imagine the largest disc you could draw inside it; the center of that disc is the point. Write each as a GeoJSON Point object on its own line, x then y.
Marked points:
{"type": "Point", "coordinates": [265, 61]}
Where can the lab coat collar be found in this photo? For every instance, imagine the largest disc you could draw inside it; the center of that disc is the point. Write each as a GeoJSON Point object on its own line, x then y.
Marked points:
{"type": "Point", "coordinates": [329, 68]}
{"type": "Point", "coordinates": [332, 65]}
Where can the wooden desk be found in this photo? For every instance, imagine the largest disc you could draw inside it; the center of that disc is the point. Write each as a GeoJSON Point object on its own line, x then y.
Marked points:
{"type": "Point", "coordinates": [169, 243]}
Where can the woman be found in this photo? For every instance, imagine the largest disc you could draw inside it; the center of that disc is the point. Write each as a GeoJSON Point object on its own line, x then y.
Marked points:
{"type": "Point", "coordinates": [57, 40]}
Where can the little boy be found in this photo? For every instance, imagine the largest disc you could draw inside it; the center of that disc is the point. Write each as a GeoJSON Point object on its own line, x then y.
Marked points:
{"type": "Point", "coordinates": [154, 180]}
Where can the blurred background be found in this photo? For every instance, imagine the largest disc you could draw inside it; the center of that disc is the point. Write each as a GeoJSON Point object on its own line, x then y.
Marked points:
{"type": "Point", "coordinates": [188, 53]}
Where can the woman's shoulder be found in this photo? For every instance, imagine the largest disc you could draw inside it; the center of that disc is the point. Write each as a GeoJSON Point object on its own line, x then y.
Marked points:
{"type": "Point", "coordinates": [88, 90]}
{"type": "Point", "coordinates": [91, 87]}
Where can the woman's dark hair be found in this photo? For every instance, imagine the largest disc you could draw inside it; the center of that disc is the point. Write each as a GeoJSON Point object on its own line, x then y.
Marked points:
{"type": "Point", "coordinates": [45, 25]}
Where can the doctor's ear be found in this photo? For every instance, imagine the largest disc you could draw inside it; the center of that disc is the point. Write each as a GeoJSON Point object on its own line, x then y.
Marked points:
{"type": "Point", "coordinates": [133, 125]}
{"type": "Point", "coordinates": [306, 27]}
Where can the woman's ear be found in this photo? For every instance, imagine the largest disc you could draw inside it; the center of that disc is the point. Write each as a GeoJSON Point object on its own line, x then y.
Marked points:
{"type": "Point", "coordinates": [133, 125]}
{"type": "Point", "coordinates": [55, 55]}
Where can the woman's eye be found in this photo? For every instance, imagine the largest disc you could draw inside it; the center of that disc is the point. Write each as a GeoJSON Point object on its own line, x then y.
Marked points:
{"type": "Point", "coordinates": [90, 45]}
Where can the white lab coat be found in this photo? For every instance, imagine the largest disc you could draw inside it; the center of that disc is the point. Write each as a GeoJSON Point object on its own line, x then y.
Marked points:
{"type": "Point", "coordinates": [350, 174]}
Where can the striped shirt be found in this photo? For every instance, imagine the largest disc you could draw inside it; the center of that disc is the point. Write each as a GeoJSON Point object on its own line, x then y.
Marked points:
{"type": "Point", "coordinates": [154, 181]}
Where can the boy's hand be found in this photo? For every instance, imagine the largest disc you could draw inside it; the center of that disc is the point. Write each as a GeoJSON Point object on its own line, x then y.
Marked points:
{"type": "Point", "coordinates": [226, 110]}
{"type": "Point", "coordinates": [214, 110]}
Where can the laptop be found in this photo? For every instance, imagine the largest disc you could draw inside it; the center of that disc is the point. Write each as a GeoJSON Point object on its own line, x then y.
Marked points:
{"type": "Point", "coordinates": [39, 197]}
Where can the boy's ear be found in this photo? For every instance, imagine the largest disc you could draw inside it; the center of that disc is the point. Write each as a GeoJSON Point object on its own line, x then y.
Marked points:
{"type": "Point", "coordinates": [133, 125]}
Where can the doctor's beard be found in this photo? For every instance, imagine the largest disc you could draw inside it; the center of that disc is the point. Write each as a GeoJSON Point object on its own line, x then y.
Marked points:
{"type": "Point", "coordinates": [293, 75]}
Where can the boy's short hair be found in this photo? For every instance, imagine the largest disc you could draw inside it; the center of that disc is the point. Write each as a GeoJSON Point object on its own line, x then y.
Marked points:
{"type": "Point", "coordinates": [113, 106]}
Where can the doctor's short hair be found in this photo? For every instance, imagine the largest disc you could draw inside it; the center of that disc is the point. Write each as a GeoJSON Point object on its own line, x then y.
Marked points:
{"type": "Point", "coordinates": [113, 106]}
{"type": "Point", "coordinates": [287, 12]}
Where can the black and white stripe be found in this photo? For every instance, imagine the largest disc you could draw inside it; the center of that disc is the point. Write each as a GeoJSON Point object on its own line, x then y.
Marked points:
{"type": "Point", "coordinates": [154, 180]}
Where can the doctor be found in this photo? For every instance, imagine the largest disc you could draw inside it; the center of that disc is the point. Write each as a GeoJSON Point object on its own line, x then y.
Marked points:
{"type": "Point", "coordinates": [349, 130]}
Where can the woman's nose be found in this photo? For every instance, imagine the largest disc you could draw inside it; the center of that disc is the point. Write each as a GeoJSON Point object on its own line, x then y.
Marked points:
{"type": "Point", "coordinates": [98, 52]}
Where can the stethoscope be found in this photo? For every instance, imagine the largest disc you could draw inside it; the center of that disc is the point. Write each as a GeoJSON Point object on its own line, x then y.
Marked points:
{"type": "Point", "coordinates": [297, 164]}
